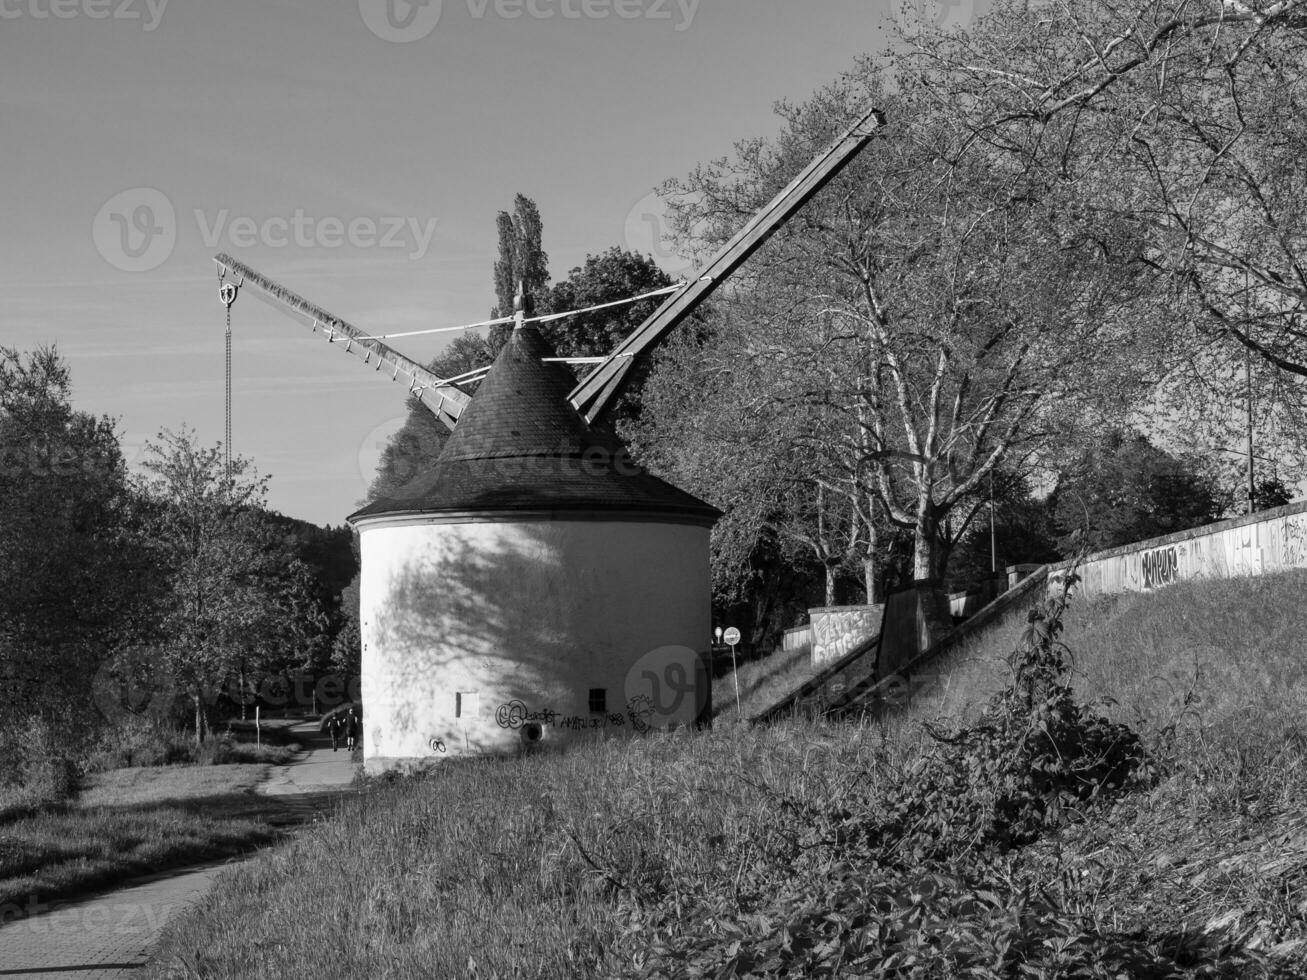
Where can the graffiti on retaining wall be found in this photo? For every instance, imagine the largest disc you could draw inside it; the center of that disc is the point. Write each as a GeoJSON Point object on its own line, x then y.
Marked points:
{"type": "Point", "coordinates": [1273, 544]}
{"type": "Point", "coordinates": [1160, 567]}
{"type": "Point", "coordinates": [836, 631]}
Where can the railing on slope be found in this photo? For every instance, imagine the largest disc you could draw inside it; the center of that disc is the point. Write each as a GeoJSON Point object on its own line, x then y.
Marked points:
{"type": "Point", "coordinates": [873, 692]}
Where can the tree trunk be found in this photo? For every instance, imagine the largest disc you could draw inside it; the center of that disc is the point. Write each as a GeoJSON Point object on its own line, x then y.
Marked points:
{"type": "Point", "coordinates": [870, 579]}
{"type": "Point", "coordinates": [929, 557]}
{"type": "Point", "coordinates": [830, 584]}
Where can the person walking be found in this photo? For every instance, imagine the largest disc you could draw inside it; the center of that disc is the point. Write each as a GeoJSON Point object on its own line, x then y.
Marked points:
{"type": "Point", "coordinates": [336, 726]}
{"type": "Point", "coordinates": [351, 729]}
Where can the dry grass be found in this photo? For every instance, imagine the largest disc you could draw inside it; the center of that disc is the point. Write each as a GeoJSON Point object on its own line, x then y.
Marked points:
{"type": "Point", "coordinates": [617, 855]}
{"type": "Point", "coordinates": [158, 784]}
{"type": "Point", "coordinates": [762, 683]}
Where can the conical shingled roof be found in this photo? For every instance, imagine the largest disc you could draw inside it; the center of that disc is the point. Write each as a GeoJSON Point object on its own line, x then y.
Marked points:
{"type": "Point", "coordinates": [521, 447]}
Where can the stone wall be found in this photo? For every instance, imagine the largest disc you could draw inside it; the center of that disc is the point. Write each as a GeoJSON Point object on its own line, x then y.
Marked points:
{"type": "Point", "coordinates": [836, 630]}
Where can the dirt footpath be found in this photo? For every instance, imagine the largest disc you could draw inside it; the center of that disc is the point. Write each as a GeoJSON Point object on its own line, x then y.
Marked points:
{"type": "Point", "coordinates": [111, 936]}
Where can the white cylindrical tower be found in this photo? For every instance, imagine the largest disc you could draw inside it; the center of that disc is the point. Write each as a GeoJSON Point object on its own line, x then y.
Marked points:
{"type": "Point", "coordinates": [533, 586]}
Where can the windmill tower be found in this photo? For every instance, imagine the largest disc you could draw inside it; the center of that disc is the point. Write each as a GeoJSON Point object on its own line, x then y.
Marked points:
{"type": "Point", "coordinates": [533, 586]}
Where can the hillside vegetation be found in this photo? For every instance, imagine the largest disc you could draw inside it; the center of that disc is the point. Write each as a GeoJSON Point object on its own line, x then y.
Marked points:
{"type": "Point", "coordinates": [1001, 827]}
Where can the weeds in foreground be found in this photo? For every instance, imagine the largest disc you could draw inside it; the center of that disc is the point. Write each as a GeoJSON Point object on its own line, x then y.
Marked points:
{"type": "Point", "coordinates": [1036, 838]}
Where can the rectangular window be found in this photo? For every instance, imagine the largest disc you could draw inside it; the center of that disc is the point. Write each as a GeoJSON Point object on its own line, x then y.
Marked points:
{"type": "Point", "coordinates": [465, 704]}
{"type": "Point", "coordinates": [598, 700]}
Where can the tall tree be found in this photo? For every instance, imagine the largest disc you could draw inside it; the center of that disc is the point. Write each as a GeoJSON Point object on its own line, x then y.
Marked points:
{"type": "Point", "coordinates": [1123, 489]}
{"type": "Point", "coordinates": [1187, 118]}
{"type": "Point", "coordinates": [237, 600]}
{"type": "Point", "coordinates": [522, 261]}
{"type": "Point", "coordinates": [71, 577]}
{"type": "Point", "coordinates": [936, 304]}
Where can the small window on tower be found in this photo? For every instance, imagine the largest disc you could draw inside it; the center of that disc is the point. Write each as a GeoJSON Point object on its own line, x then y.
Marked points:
{"type": "Point", "coordinates": [465, 704]}
{"type": "Point", "coordinates": [598, 700]}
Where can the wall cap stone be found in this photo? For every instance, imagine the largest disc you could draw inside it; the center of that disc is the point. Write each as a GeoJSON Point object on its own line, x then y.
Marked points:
{"type": "Point", "coordinates": [1176, 537]}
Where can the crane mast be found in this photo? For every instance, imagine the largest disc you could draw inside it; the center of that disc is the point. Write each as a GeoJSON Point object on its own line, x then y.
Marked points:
{"type": "Point", "coordinates": [444, 399]}
{"type": "Point", "coordinates": [593, 396]}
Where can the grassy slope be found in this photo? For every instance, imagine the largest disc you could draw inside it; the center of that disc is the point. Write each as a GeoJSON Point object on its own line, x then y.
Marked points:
{"type": "Point", "coordinates": [762, 683]}
{"type": "Point", "coordinates": [560, 866]}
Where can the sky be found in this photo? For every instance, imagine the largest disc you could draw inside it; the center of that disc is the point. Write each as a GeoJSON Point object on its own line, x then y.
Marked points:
{"type": "Point", "coordinates": [357, 151]}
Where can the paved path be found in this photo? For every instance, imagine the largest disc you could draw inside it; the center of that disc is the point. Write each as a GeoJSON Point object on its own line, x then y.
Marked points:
{"type": "Point", "coordinates": [110, 937]}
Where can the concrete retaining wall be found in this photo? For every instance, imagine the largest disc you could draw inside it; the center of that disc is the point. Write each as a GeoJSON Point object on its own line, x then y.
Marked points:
{"type": "Point", "coordinates": [1269, 541]}
{"type": "Point", "coordinates": [836, 630]}
{"type": "Point", "coordinates": [797, 638]}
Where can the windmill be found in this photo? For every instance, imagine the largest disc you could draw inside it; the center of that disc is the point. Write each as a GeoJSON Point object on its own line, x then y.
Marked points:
{"type": "Point", "coordinates": [447, 398]}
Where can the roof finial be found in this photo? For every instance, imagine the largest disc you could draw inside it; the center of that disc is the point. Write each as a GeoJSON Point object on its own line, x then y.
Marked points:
{"type": "Point", "coordinates": [523, 307]}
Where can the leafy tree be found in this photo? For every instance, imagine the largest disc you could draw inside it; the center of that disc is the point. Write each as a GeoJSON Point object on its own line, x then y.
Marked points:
{"type": "Point", "coordinates": [1188, 121]}
{"type": "Point", "coordinates": [1023, 532]}
{"type": "Point", "coordinates": [522, 261]}
{"type": "Point", "coordinates": [71, 577]}
{"type": "Point", "coordinates": [1270, 493]}
{"type": "Point", "coordinates": [926, 315]}
{"type": "Point", "coordinates": [615, 274]}
{"type": "Point", "coordinates": [1123, 489]}
{"type": "Point", "coordinates": [237, 601]}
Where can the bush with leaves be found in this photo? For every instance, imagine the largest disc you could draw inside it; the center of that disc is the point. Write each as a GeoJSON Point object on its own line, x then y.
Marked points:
{"type": "Point", "coordinates": [911, 876]}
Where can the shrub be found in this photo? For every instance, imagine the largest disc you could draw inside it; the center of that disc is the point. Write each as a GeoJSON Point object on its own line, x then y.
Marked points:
{"type": "Point", "coordinates": [39, 766]}
{"type": "Point", "coordinates": [139, 742]}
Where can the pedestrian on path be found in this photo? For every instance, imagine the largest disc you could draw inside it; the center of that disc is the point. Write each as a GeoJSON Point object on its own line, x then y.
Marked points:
{"type": "Point", "coordinates": [336, 726]}
{"type": "Point", "coordinates": [351, 729]}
